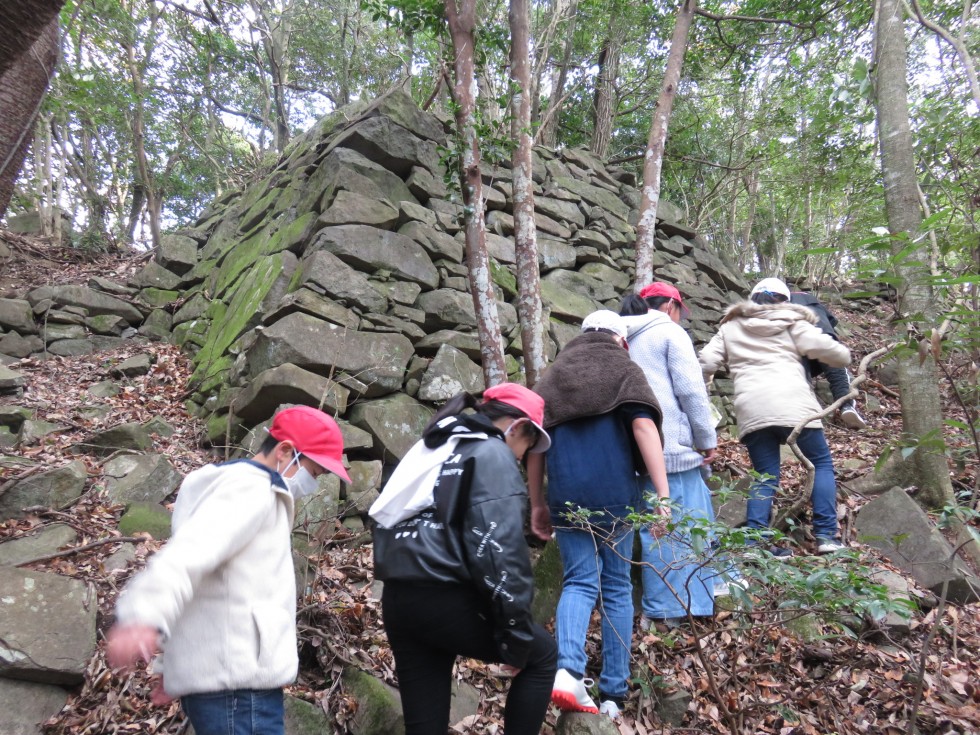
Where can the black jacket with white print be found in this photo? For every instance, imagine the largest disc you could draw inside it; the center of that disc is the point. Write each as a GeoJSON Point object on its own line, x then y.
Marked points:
{"type": "Point", "coordinates": [474, 535]}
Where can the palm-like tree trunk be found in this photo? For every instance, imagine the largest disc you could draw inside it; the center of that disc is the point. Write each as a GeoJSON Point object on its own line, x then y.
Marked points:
{"type": "Point", "coordinates": [22, 86]}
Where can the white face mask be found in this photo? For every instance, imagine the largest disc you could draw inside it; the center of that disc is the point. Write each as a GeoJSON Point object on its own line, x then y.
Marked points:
{"type": "Point", "coordinates": [302, 483]}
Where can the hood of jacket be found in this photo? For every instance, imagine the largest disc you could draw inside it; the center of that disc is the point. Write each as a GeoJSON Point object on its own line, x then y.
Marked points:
{"type": "Point", "coordinates": [592, 376]}
{"type": "Point", "coordinates": [766, 320]}
{"type": "Point", "coordinates": [642, 322]}
{"type": "Point", "coordinates": [411, 487]}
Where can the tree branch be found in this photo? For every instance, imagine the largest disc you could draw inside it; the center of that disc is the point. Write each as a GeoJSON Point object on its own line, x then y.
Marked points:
{"type": "Point", "coordinates": [83, 547]}
{"type": "Point", "coordinates": [961, 51]}
{"type": "Point", "coordinates": [211, 17]}
{"type": "Point", "coordinates": [754, 19]}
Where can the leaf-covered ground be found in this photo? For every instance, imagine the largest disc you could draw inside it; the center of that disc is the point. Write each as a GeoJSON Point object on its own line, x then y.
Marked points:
{"type": "Point", "coordinates": [747, 673]}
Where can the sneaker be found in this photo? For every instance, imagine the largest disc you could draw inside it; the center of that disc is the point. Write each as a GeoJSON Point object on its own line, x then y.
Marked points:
{"type": "Point", "coordinates": [852, 419]}
{"type": "Point", "coordinates": [780, 554]}
{"type": "Point", "coordinates": [723, 587]}
{"type": "Point", "coordinates": [610, 708]}
{"type": "Point", "coordinates": [654, 625]}
{"type": "Point", "coordinates": [571, 695]}
{"type": "Point", "coordinates": [829, 546]}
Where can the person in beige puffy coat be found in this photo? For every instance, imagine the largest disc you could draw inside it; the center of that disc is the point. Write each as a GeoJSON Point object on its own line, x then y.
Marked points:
{"type": "Point", "coordinates": [761, 343]}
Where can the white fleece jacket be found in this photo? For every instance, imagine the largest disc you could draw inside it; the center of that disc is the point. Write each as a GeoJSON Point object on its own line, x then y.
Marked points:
{"type": "Point", "coordinates": [222, 590]}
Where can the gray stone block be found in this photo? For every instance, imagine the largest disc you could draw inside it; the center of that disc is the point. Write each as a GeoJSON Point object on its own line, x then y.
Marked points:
{"type": "Point", "coordinates": [132, 478]}
{"type": "Point", "coordinates": [46, 540]}
{"type": "Point", "coordinates": [25, 705]}
{"type": "Point", "coordinates": [55, 488]}
{"type": "Point", "coordinates": [450, 372]}
{"type": "Point", "coordinates": [894, 524]}
{"type": "Point", "coordinates": [48, 624]}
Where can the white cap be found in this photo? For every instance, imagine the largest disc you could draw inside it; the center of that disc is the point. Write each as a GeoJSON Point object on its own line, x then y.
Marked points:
{"type": "Point", "coordinates": [771, 285]}
{"type": "Point", "coordinates": [605, 319]}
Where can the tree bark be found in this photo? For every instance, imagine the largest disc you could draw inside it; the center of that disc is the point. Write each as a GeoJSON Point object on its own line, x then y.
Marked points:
{"type": "Point", "coordinates": [276, 34]}
{"type": "Point", "coordinates": [525, 234]}
{"type": "Point", "coordinates": [918, 379]}
{"type": "Point", "coordinates": [22, 86]}
{"type": "Point", "coordinates": [137, 123]}
{"type": "Point", "coordinates": [23, 22]}
{"type": "Point", "coordinates": [646, 228]}
{"type": "Point", "coordinates": [548, 132]}
{"type": "Point", "coordinates": [605, 99]}
{"type": "Point", "coordinates": [462, 25]}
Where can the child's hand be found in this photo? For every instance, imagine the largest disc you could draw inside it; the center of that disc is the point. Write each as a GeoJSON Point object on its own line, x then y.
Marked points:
{"type": "Point", "coordinates": [127, 644]}
{"type": "Point", "coordinates": [158, 695]}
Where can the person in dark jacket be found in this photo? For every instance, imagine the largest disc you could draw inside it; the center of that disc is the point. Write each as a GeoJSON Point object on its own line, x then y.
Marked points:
{"type": "Point", "coordinates": [837, 377]}
{"type": "Point", "coordinates": [450, 549]}
{"type": "Point", "coordinates": [605, 423]}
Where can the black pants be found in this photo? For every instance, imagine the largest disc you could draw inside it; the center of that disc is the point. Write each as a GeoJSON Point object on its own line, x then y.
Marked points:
{"type": "Point", "coordinates": [428, 626]}
{"type": "Point", "coordinates": [840, 383]}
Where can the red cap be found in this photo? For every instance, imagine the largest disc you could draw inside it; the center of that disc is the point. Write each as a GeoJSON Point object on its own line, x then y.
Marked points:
{"type": "Point", "coordinates": [314, 434]}
{"type": "Point", "coordinates": [529, 402]}
{"type": "Point", "coordinates": [659, 288]}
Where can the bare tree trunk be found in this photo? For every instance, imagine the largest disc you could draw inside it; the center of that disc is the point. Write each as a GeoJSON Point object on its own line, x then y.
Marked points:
{"type": "Point", "coordinates": [276, 34]}
{"type": "Point", "coordinates": [42, 166]}
{"type": "Point", "coordinates": [525, 234]}
{"type": "Point", "coordinates": [548, 132]}
{"type": "Point", "coordinates": [137, 123]}
{"type": "Point", "coordinates": [462, 24]}
{"type": "Point", "coordinates": [605, 100]}
{"type": "Point", "coordinates": [918, 379]}
{"type": "Point", "coordinates": [22, 87]}
{"type": "Point", "coordinates": [958, 43]}
{"type": "Point", "coordinates": [646, 228]}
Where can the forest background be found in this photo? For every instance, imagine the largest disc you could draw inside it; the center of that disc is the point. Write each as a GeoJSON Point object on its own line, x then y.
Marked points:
{"type": "Point", "coordinates": [812, 140]}
{"type": "Point", "coordinates": [157, 107]}
{"type": "Point", "coordinates": [822, 142]}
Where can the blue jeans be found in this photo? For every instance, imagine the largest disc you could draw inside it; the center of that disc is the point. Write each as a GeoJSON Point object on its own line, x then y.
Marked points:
{"type": "Point", "coordinates": [763, 446]}
{"type": "Point", "coordinates": [236, 712]}
{"type": "Point", "coordinates": [676, 575]}
{"type": "Point", "coordinates": [596, 569]}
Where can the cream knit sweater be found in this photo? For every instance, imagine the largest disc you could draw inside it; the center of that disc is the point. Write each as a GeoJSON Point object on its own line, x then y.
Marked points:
{"type": "Point", "coordinates": [665, 352]}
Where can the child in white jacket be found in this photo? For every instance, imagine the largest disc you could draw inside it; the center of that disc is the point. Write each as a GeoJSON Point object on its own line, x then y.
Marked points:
{"type": "Point", "coordinates": [220, 597]}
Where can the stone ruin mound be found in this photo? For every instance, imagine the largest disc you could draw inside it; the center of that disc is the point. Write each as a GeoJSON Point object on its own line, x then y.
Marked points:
{"type": "Point", "coordinates": [338, 278]}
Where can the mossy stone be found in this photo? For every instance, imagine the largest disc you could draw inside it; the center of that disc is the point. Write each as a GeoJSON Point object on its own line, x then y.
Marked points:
{"type": "Point", "coordinates": [547, 583]}
{"type": "Point", "coordinates": [378, 706]}
{"type": "Point", "coordinates": [503, 278]}
{"type": "Point", "coordinates": [224, 429]}
{"type": "Point", "coordinates": [291, 235]}
{"type": "Point", "coordinates": [105, 389]}
{"type": "Point", "coordinates": [32, 431]}
{"type": "Point", "coordinates": [158, 425]}
{"type": "Point", "coordinates": [146, 518]}
{"type": "Point", "coordinates": [242, 311]}
{"type": "Point", "coordinates": [14, 416]}
{"type": "Point", "coordinates": [806, 627]}
{"type": "Point", "coordinates": [258, 211]}
{"type": "Point", "coordinates": [157, 325]}
{"type": "Point", "coordinates": [8, 439]}
{"type": "Point", "coordinates": [158, 297]}
{"type": "Point", "coordinates": [215, 375]}
{"type": "Point", "coordinates": [303, 718]}
{"type": "Point", "coordinates": [195, 333]}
